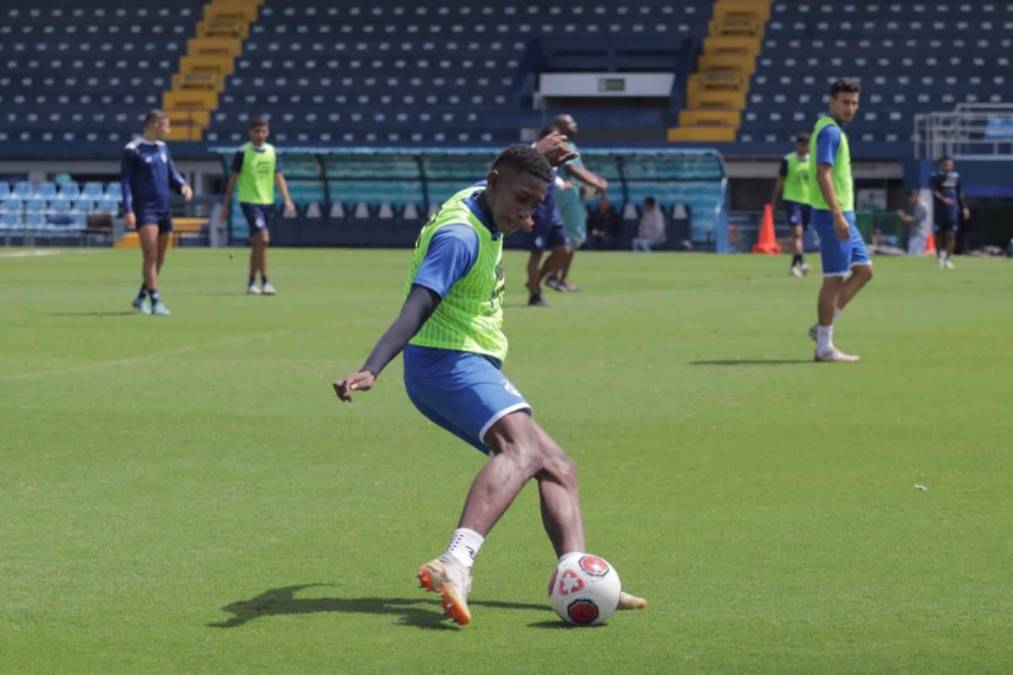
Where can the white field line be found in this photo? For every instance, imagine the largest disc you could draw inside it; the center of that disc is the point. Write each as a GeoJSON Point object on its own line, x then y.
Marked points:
{"type": "Point", "coordinates": [98, 365]}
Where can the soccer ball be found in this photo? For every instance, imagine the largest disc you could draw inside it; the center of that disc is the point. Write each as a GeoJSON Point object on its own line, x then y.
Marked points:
{"type": "Point", "coordinates": [584, 589]}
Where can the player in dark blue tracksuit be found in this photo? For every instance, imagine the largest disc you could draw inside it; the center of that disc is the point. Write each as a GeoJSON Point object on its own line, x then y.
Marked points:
{"type": "Point", "coordinates": [948, 206]}
{"type": "Point", "coordinates": [147, 175]}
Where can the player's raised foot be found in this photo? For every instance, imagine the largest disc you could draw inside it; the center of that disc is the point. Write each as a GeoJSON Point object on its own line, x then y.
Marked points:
{"type": "Point", "coordinates": [555, 285]}
{"type": "Point", "coordinates": [630, 601]}
{"type": "Point", "coordinates": [159, 309]}
{"type": "Point", "coordinates": [812, 332]}
{"type": "Point", "coordinates": [452, 581]}
{"type": "Point", "coordinates": [570, 288]}
{"type": "Point", "coordinates": [252, 290]}
{"type": "Point", "coordinates": [834, 354]}
{"type": "Point", "coordinates": [795, 271]}
{"type": "Point", "coordinates": [948, 264]}
{"type": "Point", "coordinates": [268, 289]}
{"type": "Point", "coordinates": [536, 300]}
{"type": "Point", "coordinates": [806, 269]}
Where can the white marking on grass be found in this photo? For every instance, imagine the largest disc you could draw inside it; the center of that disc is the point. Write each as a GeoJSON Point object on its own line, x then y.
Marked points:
{"type": "Point", "coordinates": [133, 359]}
{"type": "Point", "coordinates": [28, 254]}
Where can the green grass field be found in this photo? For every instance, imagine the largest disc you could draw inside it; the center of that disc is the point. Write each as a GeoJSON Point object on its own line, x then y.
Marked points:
{"type": "Point", "coordinates": [187, 495]}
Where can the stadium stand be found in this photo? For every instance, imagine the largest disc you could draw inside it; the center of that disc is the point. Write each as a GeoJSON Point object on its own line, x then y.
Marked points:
{"type": "Point", "coordinates": [432, 72]}
{"type": "Point", "coordinates": [910, 57]}
{"type": "Point", "coordinates": [394, 188]}
{"type": "Point", "coordinates": [78, 73]}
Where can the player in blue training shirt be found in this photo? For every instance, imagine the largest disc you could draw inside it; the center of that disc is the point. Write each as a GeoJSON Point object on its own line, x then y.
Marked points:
{"type": "Point", "coordinates": [948, 206]}
{"type": "Point", "coordinates": [148, 175]}
{"type": "Point", "coordinates": [450, 330]}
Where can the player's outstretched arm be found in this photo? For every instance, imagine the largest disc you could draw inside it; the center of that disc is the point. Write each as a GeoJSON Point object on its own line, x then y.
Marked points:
{"type": "Point", "coordinates": [420, 304]}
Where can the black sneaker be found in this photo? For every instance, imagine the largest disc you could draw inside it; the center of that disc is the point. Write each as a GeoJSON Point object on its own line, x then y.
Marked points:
{"type": "Point", "coordinates": [536, 300]}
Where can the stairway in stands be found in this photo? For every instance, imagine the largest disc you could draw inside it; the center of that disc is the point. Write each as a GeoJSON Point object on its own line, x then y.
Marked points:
{"type": "Point", "coordinates": [209, 60]}
{"type": "Point", "coordinates": [717, 92]}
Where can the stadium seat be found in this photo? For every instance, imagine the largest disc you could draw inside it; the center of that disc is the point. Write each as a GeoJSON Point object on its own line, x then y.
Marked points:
{"type": "Point", "coordinates": [10, 220]}
{"type": "Point", "coordinates": [92, 190]}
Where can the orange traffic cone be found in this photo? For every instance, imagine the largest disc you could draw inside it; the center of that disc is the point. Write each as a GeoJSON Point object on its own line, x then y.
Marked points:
{"type": "Point", "coordinates": [766, 243]}
{"type": "Point", "coordinates": [930, 244]}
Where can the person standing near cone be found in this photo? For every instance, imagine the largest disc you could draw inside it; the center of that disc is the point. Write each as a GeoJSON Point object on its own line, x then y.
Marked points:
{"type": "Point", "coordinates": [793, 186]}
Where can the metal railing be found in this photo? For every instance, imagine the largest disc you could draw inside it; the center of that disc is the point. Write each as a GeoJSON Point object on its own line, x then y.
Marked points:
{"type": "Point", "coordinates": [970, 131]}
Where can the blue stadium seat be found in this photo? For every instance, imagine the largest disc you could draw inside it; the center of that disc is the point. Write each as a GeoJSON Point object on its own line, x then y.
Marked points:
{"type": "Point", "coordinates": [10, 220]}
{"type": "Point", "coordinates": [92, 190]}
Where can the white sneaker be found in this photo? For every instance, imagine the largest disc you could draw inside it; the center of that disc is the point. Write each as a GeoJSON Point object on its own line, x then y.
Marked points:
{"type": "Point", "coordinates": [941, 261]}
{"type": "Point", "coordinates": [252, 290]}
{"type": "Point", "coordinates": [795, 271]}
{"type": "Point", "coordinates": [452, 581]}
{"type": "Point", "coordinates": [269, 289]}
{"type": "Point", "coordinates": [834, 354]}
{"type": "Point", "coordinates": [949, 264]}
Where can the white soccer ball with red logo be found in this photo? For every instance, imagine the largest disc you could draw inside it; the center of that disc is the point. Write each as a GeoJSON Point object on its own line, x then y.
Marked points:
{"type": "Point", "coordinates": [584, 589]}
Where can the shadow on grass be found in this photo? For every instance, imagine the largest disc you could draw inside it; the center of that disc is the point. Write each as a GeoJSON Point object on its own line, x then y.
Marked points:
{"type": "Point", "coordinates": [560, 625]}
{"type": "Point", "coordinates": [749, 362]}
{"type": "Point", "coordinates": [126, 312]}
{"type": "Point", "coordinates": [419, 612]}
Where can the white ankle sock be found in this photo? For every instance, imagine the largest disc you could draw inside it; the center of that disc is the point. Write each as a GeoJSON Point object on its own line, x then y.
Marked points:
{"type": "Point", "coordinates": [464, 546]}
{"type": "Point", "coordinates": [824, 338]}
{"type": "Point", "coordinates": [837, 312]}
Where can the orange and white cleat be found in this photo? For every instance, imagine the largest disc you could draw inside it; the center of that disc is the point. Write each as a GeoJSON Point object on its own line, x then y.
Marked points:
{"type": "Point", "coordinates": [452, 581]}
{"type": "Point", "coordinates": [630, 601]}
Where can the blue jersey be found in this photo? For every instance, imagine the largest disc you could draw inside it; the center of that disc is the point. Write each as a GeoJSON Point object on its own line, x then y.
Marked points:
{"type": "Point", "coordinates": [546, 216]}
{"type": "Point", "coordinates": [948, 185]}
{"type": "Point", "coordinates": [147, 174]}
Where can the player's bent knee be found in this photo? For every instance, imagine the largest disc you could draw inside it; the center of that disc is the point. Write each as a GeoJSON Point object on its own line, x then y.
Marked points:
{"type": "Point", "coordinates": [562, 469]}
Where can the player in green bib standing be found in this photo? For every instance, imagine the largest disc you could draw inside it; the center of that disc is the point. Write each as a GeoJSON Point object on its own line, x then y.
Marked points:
{"type": "Point", "coordinates": [846, 263]}
{"type": "Point", "coordinates": [793, 187]}
{"type": "Point", "coordinates": [256, 169]}
{"type": "Point", "coordinates": [450, 330]}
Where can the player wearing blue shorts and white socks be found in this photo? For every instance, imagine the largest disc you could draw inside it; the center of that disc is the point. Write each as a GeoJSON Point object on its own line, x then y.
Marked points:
{"type": "Point", "coordinates": [846, 264]}
{"type": "Point", "coordinates": [450, 330]}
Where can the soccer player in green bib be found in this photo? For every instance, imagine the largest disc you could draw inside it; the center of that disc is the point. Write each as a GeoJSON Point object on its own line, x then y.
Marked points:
{"type": "Point", "coordinates": [450, 330]}
{"type": "Point", "coordinates": [846, 263]}
{"type": "Point", "coordinates": [793, 186]}
{"type": "Point", "coordinates": [256, 168]}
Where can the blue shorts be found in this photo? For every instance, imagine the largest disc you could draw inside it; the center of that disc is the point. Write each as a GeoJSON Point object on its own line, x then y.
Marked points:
{"type": "Point", "coordinates": [546, 236]}
{"type": "Point", "coordinates": [839, 256]}
{"type": "Point", "coordinates": [464, 393]}
{"type": "Point", "coordinates": [797, 213]}
{"type": "Point", "coordinates": [161, 218]}
{"type": "Point", "coordinates": [947, 220]}
{"type": "Point", "coordinates": [258, 216]}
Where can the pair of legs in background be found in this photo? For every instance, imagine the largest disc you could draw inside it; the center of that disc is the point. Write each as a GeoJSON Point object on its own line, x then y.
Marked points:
{"type": "Point", "coordinates": [153, 233]}
{"type": "Point", "coordinates": [550, 238]}
{"type": "Point", "coordinates": [846, 269]}
{"type": "Point", "coordinates": [258, 217]}
{"type": "Point", "coordinates": [946, 229]}
{"type": "Point", "coordinates": [799, 216]}
{"type": "Point", "coordinates": [469, 396]}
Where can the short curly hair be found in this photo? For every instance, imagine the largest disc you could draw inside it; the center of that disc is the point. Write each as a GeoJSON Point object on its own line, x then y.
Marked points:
{"type": "Point", "coordinates": [524, 158]}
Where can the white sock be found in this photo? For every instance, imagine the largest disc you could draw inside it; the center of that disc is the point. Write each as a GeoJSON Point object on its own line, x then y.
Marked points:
{"type": "Point", "coordinates": [824, 338]}
{"type": "Point", "coordinates": [837, 312]}
{"type": "Point", "coordinates": [464, 545]}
